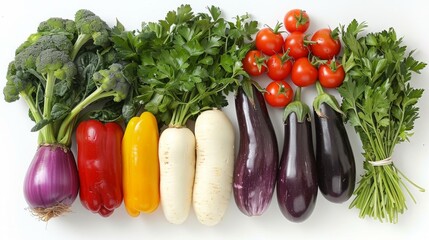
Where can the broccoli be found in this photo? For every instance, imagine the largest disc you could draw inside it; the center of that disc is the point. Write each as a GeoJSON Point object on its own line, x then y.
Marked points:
{"type": "Point", "coordinates": [51, 26]}
{"type": "Point", "coordinates": [17, 84]}
{"type": "Point", "coordinates": [11, 90]}
{"type": "Point", "coordinates": [40, 62]}
{"type": "Point", "coordinates": [110, 82]}
{"type": "Point", "coordinates": [90, 26]}
{"type": "Point", "coordinates": [53, 63]}
{"type": "Point", "coordinates": [26, 58]}
{"type": "Point", "coordinates": [48, 59]}
{"type": "Point", "coordinates": [57, 85]}
{"type": "Point", "coordinates": [20, 83]}
{"type": "Point", "coordinates": [113, 81]}
{"type": "Point", "coordinates": [61, 25]}
{"type": "Point", "coordinates": [111, 56]}
{"type": "Point", "coordinates": [30, 41]}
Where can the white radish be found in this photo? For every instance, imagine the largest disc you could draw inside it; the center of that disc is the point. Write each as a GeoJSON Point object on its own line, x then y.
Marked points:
{"type": "Point", "coordinates": [214, 135]}
{"type": "Point", "coordinates": [177, 171]}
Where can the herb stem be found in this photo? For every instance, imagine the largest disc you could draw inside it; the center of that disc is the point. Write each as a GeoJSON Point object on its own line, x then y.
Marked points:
{"type": "Point", "coordinates": [380, 103]}
{"type": "Point", "coordinates": [395, 138]}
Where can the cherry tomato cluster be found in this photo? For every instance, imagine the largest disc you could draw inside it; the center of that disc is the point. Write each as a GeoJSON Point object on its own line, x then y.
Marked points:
{"type": "Point", "coordinates": [306, 61]}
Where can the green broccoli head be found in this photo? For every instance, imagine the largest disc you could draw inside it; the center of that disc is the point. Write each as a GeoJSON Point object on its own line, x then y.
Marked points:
{"type": "Point", "coordinates": [81, 14]}
{"type": "Point", "coordinates": [58, 63]}
{"type": "Point", "coordinates": [113, 80]}
{"type": "Point", "coordinates": [26, 58]}
{"type": "Point", "coordinates": [30, 41]}
{"type": "Point", "coordinates": [10, 91]}
{"type": "Point", "coordinates": [17, 81]}
{"type": "Point", "coordinates": [92, 26]}
{"type": "Point", "coordinates": [111, 56]}
{"type": "Point", "coordinates": [56, 41]}
{"type": "Point", "coordinates": [52, 26]}
{"type": "Point", "coordinates": [67, 72]}
{"type": "Point", "coordinates": [56, 25]}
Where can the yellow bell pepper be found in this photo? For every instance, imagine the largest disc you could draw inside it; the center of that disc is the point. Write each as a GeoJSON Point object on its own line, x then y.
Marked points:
{"type": "Point", "coordinates": [141, 165]}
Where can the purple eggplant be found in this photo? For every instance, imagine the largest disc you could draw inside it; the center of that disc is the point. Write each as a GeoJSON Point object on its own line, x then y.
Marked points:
{"type": "Point", "coordinates": [256, 164]}
{"type": "Point", "coordinates": [297, 175]}
{"type": "Point", "coordinates": [51, 184]}
{"type": "Point", "coordinates": [336, 169]}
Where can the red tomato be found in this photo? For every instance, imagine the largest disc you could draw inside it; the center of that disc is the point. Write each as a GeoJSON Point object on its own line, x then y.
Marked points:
{"type": "Point", "coordinates": [331, 74]}
{"type": "Point", "coordinates": [303, 73]}
{"type": "Point", "coordinates": [296, 20]}
{"type": "Point", "coordinates": [295, 43]}
{"type": "Point", "coordinates": [327, 44]}
{"type": "Point", "coordinates": [254, 63]}
{"type": "Point", "coordinates": [279, 67]}
{"type": "Point", "coordinates": [269, 41]}
{"type": "Point", "coordinates": [278, 94]}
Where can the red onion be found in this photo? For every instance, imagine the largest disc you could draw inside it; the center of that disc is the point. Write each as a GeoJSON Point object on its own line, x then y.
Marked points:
{"type": "Point", "coordinates": [52, 182]}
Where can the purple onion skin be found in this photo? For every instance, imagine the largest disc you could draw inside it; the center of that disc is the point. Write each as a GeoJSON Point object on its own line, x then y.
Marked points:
{"type": "Point", "coordinates": [256, 164]}
{"type": "Point", "coordinates": [297, 177]}
{"type": "Point", "coordinates": [51, 178]}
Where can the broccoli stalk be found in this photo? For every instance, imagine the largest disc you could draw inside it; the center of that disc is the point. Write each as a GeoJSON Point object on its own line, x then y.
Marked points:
{"type": "Point", "coordinates": [43, 61]}
{"type": "Point", "coordinates": [52, 65]}
{"type": "Point", "coordinates": [110, 83]}
{"type": "Point", "coordinates": [16, 85]}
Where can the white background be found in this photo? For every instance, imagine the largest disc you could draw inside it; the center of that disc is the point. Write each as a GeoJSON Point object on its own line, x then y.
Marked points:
{"type": "Point", "coordinates": [329, 221]}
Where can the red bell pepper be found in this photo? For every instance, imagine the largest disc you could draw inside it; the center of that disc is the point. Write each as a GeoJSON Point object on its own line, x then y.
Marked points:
{"type": "Point", "coordinates": [99, 161]}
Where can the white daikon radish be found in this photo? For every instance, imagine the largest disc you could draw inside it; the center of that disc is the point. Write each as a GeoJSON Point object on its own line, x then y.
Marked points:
{"type": "Point", "coordinates": [214, 136]}
{"type": "Point", "coordinates": [177, 171]}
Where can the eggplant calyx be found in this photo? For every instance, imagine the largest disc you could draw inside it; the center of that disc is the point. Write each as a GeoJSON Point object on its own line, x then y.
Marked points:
{"type": "Point", "coordinates": [298, 107]}
{"type": "Point", "coordinates": [326, 98]}
{"type": "Point", "coordinates": [247, 87]}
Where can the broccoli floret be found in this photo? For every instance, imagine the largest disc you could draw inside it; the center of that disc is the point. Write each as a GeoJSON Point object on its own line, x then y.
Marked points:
{"type": "Point", "coordinates": [57, 64]}
{"type": "Point", "coordinates": [52, 26]}
{"type": "Point", "coordinates": [113, 80]}
{"type": "Point", "coordinates": [57, 41]}
{"type": "Point", "coordinates": [110, 57]}
{"type": "Point", "coordinates": [67, 72]}
{"type": "Point", "coordinates": [26, 58]}
{"type": "Point", "coordinates": [58, 25]}
{"type": "Point", "coordinates": [11, 90]}
{"type": "Point", "coordinates": [90, 26]}
{"type": "Point", "coordinates": [30, 41]}
{"type": "Point", "coordinates": [19, 83]}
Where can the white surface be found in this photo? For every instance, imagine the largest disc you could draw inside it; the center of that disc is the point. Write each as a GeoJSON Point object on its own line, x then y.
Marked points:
{"type": "Point", "coordinates": [329, 221]}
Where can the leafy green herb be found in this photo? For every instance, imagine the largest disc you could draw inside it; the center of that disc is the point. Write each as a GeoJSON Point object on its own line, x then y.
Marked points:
{"type": "Point", "coordinates": [186, 62]}
{"type": "Point", "coordinates": [380, 103]}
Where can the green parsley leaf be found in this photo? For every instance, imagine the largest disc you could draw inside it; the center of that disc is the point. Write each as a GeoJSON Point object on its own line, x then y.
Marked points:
{"type": "Point", "coordinates": [380, 103]}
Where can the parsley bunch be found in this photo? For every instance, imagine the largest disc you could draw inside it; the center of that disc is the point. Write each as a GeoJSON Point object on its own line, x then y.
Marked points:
{"type": "Point", "coordinates": [185, 63]}
{"type": "Point", "coordinates": [380, 103]}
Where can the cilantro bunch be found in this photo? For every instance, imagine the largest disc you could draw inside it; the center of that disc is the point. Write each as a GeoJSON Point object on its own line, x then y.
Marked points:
{"type": "Point", "coordinates": [185, 63]}
{"type": "Point", "coordinates": [381, 104]}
